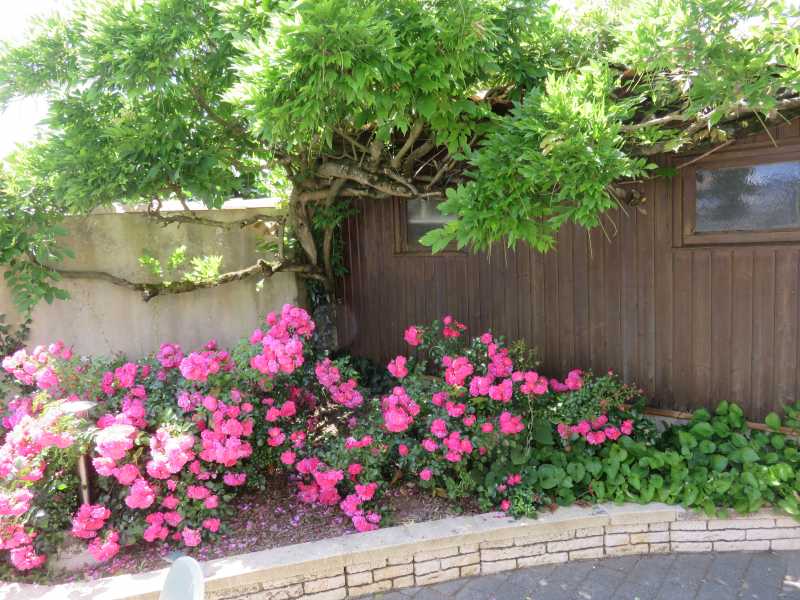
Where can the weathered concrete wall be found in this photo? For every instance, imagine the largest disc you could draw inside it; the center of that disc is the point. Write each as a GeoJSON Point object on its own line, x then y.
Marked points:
{"type": "Point", "coordinates": [102, 318]}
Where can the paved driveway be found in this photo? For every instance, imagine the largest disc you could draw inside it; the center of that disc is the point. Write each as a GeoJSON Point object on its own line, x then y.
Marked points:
{"type": "Point", "coordinates": [721, 576]}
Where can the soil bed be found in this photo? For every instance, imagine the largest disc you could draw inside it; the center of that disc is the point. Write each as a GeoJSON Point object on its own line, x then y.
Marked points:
{"type": "Point", "coordinates": [264, 520]}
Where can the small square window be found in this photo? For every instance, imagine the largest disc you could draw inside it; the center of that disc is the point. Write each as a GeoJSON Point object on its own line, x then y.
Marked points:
{"type": "Point", "coordinates": [416, 217]}
{"type": "Point", "coordinates": [743, 200]}
{"type": "Point", "coordinates": [754, 198]}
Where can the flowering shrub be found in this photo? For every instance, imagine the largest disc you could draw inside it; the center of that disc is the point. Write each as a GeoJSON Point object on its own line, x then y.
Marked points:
{"type": "Point", "coordinates": [37, 460]}
{"type": "Point", "coordinates": [174, 437]}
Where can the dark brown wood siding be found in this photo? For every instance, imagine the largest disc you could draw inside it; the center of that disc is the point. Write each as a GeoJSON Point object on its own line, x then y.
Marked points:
{"type": "Point", "coordinates": [693, 325]}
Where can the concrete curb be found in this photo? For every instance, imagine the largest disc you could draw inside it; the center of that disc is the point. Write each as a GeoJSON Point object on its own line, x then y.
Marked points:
{"type": "Point", "coordinates": [424, 553]}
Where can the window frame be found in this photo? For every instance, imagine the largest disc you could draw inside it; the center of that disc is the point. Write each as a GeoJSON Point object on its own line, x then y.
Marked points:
{"type": "Point", "coordinates": [403, 246]}
{"type": "Point", "coordinates": [746, 156]}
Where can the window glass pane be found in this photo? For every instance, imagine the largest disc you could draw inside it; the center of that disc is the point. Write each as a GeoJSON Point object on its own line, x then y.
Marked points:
{"type": "Point", "coordinates": [423, 216]}
{"type": "Point", "coordinates": [756, 198]}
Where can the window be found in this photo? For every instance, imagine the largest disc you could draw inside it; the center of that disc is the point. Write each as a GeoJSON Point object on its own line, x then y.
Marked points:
{"type": "Point", "coordinates": [416, 217]}
{"type": "Point", "coordinates": [743, 200]}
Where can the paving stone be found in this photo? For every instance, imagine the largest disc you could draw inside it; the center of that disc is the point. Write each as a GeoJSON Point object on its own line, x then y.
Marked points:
{"type": "Point", "coordinates": [651, 571]}
{"type": "Point", "coordinates": [702, 576]}
{"type": "Point", "coordinates": [630, 591]}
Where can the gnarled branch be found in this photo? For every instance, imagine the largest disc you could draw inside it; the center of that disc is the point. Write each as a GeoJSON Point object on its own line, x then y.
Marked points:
{"type": "Point", "coordinates": [415, 132]}
{"type": "Point", "coordinates": [151, 290]}
{"type": "Point", "coordinates": [352, 172]}
{"type": "Point", "coordinates": [193, 219]}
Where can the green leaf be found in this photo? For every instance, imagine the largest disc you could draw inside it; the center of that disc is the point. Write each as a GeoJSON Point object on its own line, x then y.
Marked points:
{"type": "Point", "coordinates": [747, 455]}
{"type": "Point", "coordinates": [773, 421]}
{"type": "Point", "coordinates": [543, 433]}
{"type": "Point", "coordinates": [719, 463]}
{"type": "Point", "coordinates": [703, 430]}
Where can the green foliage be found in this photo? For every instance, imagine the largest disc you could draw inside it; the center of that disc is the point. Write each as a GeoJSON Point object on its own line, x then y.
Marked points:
{"type": "Point", "coordinates": [202, 269]}
{"type": "Point", "coordinates": [12, 338]}
{"type": "Point", "coordinates": [597, 396]}
{"type": "Point", "coordinates": [548, 163]}
{"type": "Point", "coordinates": [327, 64]}
{"type": "Point", "coordinates": [529, 111]}
{"type": "Point", "coordinates": [712, 463]}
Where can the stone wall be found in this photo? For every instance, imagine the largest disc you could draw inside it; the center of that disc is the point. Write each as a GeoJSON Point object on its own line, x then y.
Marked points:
{"type": "Point", "coordinates": [427, 553]}
{"type": "Point", "coordinates": [102, 318]}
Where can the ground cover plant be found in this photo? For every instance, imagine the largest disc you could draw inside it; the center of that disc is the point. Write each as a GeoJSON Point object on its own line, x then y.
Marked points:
{"type": "Point", "coordinates": [177, 440]}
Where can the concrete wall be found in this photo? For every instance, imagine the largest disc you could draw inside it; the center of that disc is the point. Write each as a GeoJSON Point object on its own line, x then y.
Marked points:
{"type": "Point", "coordinates": [102, 318]}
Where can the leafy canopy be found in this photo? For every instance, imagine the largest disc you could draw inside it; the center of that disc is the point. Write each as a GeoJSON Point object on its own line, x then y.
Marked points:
{"type": "Point", "coordinates": [520, 115]}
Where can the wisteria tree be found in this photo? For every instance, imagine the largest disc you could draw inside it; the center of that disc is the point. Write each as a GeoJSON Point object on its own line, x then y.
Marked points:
{"type": "Point", "coordinates": [520, 115]}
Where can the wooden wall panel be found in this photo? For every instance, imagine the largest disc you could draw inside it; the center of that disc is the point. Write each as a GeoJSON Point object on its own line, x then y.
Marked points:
{"type": "Point", "coordinates": [691, 325]}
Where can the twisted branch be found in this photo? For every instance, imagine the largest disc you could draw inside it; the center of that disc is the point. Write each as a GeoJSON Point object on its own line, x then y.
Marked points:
{"type": "Point", "coordinates": [151, 290]}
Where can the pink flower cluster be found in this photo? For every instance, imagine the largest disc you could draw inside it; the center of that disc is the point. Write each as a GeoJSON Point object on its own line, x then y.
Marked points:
{"type": "Point", "coordinates": [457, 370]}
{"type": "Point", "coordinates": [168, 453]}
{"type": "Point", "coordinates": [87, 523]}
{"type": "Point", "coordinates": [282, 344]}
{"type": "Point", "coordinates": [320, 486]}
{"type": "Point", "coordinates": [199, 365]}
{"type": "Point", "coordinates": [330, 378]}
{"type": "Point", "coordinates": [413, 336]}
{"type": "Point", "coordinates": [399, 410]}
{"type": "Point", "coordinates": [89, 519]}
{"type": "Point", "coordinates": [452, 328]}
{"type": "Point", "coordinates": [596, 431]}
{"type": "Point", "coordinates": [22, 464]}
{"type": "Point", "coordinates": [37, 368]}
{"type": "Point", "coordinates": [221, 437]}
{"type": "Point", "coordinates": [573, 382]}
{"type": "Point", "coordinates": [397, 367]}
{"type": "Point", "coordinates": [170, 356]}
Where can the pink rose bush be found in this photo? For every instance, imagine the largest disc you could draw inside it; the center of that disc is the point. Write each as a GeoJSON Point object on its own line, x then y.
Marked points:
{"type": "Point", "coordinates": [173, 438]}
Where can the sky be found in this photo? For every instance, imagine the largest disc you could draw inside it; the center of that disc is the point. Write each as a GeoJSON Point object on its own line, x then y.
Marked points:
{"type": "Point", "coordinates": [18, 121]}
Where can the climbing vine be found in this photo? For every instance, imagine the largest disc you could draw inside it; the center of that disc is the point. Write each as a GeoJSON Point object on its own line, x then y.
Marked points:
{"type": "Point", "coordinates": [519, 116]}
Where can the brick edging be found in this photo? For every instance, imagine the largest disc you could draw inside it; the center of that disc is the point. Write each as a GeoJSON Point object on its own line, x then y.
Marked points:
{"type": "Point", "coordinates": [436, 551]}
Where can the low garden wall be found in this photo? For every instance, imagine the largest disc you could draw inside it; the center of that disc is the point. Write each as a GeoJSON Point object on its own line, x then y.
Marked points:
{"type": "Point", "coordinates": [427, 553]}
{"type": "Point", "coordinates": [103, 318]}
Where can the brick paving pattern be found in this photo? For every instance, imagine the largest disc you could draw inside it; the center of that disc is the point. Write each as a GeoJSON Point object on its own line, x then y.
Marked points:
{"type": "Point", "coordinates": [702, 576]}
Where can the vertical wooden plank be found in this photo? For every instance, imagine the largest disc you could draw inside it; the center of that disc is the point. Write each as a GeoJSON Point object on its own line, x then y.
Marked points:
{"type": "Point", "coordinates": [613, 294]}
{"type": "Point", "coordinates": [497, 293]}
{"type": "Point", "coordinates": [385, 335]}
{"type": "Point", "coordinates": [597, 302]}
{"type": "Point", "coordinates": [538, 313]}
{"type": "Point", "coordinates": [552, 326]}
{"type": "Point", "coordinates": [701, 329]}
{"type": "Point", "coordinates": [473, 292]}
{"type": "Point", "coordinates": [580, 258]}
{"type": "Point", "coordinates": [629, 299]}
{"type": "Point", "coordinates": [683, 371]}
{"type": "Point", "coordinates": [348, 308]}
{"type": "Point", "coordinates": [524, 293]}
{"type": "Point", "coordinates": [786, 327]}
{"type": "Point", "coordinates": [368, 344]}
{"type": "Point", "coordinates": [742, 324]}
{"type": "Point", "coordinates": [663, 283]}
{"type": "Point", "coordinates": [566, 300]}
{"type": "Point", "coordinates": [763, 334]}
{"type": "Point", "coordinates": [721, 321]}
{"type": "Point", "coordinates": [510, 284]}
{"type": "Point", "coordinates": [485, 271]}
{"type": "Point", "coordinates": [646, 290]}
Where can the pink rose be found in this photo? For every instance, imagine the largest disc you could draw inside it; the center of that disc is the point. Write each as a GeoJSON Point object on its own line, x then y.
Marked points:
{"type": "Point", "coordinates": [413, 336]}
{"type": "Point", "coordinates": [191, 537]}
{"type": "Point", "coordinates": [397, 367]}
